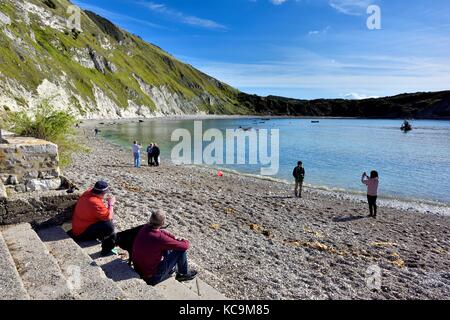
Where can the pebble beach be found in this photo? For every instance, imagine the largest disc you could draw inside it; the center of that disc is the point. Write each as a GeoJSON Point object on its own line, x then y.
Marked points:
{"type": "Point", "coordinates": [252, 239]}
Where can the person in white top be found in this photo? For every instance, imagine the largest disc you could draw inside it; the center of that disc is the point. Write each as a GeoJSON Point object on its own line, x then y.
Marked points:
{"type": "Point", "coordinates": [137, 154]}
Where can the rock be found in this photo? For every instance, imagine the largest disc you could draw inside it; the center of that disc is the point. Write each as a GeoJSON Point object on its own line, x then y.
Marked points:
{"type": "Point", "coordinates": [110, 66]}
{"type": "Point", "coordinates": [3, 194]}
{"type": "Point", "coordinates": [31, 175]}
{"type": "Point", "coordinates": [4, 178]}
{"type": "Point", "coordinates": [43, 185]}
{"type": "Point", "coordinates": [4, 19]}
{"type": "Point", "coordinates": [12, 180]}
{"type": "Point", "coordinates": [52, 174]}
{"type": "Point", "coordinates": [21, 188]}
{"type": "Point", "coordinates": [99, 61]}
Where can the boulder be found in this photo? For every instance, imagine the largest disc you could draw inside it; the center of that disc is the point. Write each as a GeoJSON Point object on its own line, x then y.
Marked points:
{"type": "Point", "coordinates": [43, 185]}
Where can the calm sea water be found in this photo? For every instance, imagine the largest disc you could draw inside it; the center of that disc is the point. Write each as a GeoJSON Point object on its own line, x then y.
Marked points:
{"type": "Point", "coordinates": [335, 152]}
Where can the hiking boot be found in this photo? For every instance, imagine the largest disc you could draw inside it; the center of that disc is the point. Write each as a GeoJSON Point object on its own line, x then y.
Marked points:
{"type": "Point", "coordinates": [186, 277]}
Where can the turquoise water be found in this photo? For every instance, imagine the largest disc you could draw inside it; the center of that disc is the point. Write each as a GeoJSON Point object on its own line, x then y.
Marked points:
{"type": "Point", "coordinates": [335, 152]}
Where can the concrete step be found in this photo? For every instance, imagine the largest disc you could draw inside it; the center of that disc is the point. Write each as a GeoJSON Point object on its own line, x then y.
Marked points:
{"type": "Point", "coordinates": [204, 290]}
{"type": "Point", "coordinates": [118, 270]}
{"type": "Point", "coordinates": [11, 286]}
{"type": "Point", "coordinates": [175, 290]}
{"type": "Point", "coordinates": [39, 270]}
{"type": "Point", "coordinates": [88, 280]}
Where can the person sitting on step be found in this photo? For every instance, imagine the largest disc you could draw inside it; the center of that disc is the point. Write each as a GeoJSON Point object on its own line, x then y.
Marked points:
{"type": "Point", "coordinates": [157, 254]}
{"type": "Point", "coordinates": [91, 219]}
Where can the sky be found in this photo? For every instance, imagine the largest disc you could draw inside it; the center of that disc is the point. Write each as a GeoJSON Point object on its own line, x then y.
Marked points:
{"type": "Point", "coordinates": [304, 49]}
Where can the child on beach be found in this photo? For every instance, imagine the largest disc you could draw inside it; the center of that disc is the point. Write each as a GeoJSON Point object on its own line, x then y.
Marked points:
{"type": "Point", "coordinates": [137, 154]}
{"type": "Point", "coordinates": [372, 191]}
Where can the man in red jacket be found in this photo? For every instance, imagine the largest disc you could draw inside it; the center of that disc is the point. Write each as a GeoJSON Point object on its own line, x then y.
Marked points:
{"type": "Point", "coordinates": [92, 219]}
{"type": "Point", "coordinates": [157, 254]}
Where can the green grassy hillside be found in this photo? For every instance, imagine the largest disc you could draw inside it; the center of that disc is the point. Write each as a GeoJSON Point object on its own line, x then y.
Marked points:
{"type": "Point", "coordinates": [49, 55]}
{"type": "Point", "coordinates": [130, 72]}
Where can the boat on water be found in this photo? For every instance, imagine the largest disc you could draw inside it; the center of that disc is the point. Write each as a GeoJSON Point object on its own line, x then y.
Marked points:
{"type": "Point", "coordinates": [315, 121]}
{"type": "Point", "coordinates": [406, 126]}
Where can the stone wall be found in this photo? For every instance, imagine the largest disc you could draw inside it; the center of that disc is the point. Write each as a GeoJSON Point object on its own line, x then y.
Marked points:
{"type": "Point", "coordinates": [31, 187]}
{"type": "Point", "coordinates": [41, 209]}
{"type": "Point", "coordinates": [27, 165]}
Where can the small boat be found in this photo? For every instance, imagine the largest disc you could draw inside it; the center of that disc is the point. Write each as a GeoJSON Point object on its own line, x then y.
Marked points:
{"type": "Point", "coordinates": [406, 126]}
{"type": "Point", "coordinates": [315, 121]}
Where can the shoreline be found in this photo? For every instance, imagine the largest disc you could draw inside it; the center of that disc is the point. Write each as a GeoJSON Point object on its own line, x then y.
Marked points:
{"type": "Point", "coordinates": [427, 206]}
{"type": "Point", "coordinates": [251, 239]}
{"type": "Point", "coordinates": [93, 122]}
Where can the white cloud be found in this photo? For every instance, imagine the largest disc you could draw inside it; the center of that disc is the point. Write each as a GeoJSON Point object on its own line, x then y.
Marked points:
{"type": "Point", "coordinates": [319, 32]}
{"type": "Point", "coordinates": [357, 96]}
{"type": "Point", "coordinates": [181, 17]}
{"type": "Point", "coordinates": [278, 2]}
{"type": "Point", "coordinates": [351, 7]}
{"type": "Point", "coordinates": [372, 77]}
{"type": "Point", "coordinates": [116, 16]}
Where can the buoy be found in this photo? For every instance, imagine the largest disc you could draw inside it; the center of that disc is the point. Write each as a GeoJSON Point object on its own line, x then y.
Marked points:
{"type": "Point", "coordinates": [220, 174]}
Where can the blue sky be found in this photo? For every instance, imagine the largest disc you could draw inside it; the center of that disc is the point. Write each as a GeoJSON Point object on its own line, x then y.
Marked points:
{"type": "Point", "coordinates": [299, 48]}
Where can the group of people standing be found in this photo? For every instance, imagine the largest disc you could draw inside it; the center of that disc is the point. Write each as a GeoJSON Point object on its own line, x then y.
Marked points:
{"type": "Point", "coordinates": [371, 182]}
{"type": "Point", "coordinates": [153, 154]}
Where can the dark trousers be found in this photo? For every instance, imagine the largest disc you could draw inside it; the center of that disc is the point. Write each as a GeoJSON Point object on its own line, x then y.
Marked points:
{"type": "Point", "coordinates": [150, 159]}
{"type": "Point", "coordinates": [166, 267]}
{"type": "Point", "coordinates": [372, 205]}
{"type": "Point", "coordinates": [298, 187]}
{"type": "Point", "coordinates": [100, 230]}
{"type": "Point", "coordinates": [156, 159]}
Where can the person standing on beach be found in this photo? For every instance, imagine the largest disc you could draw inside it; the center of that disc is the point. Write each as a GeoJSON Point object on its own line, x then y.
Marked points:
{"type": "Point", "coordinates": [91, 219]}
{"type": "Point", "coordinates": [156, 153]}
{"type": "Point", "coordinates": [157, 254]}
{"type": "Point", "coordinates": [299, 175]}
{"type": "Point", "coordinates": [372, 191]}
{"type": "Point", "coordinates": [150, 155]}
{"type": "Point", "coordinates": [137, 154]}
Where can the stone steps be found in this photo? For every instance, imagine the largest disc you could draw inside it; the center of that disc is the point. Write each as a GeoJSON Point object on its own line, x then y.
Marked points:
{"type": "Point", "coordinates": [49, 265]}
{"type": "Point", "coordinates": [87, 279]}
{"type": "Point", "coordinates": [118, 269]}
{"type": "Point", "coordinates": [40, 273]}
{"type": "Point", "coordinates": [11, 286]}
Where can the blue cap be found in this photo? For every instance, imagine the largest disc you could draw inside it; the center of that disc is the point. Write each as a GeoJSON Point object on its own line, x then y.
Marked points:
{"type": "Point", "coordinates": [100, 187]}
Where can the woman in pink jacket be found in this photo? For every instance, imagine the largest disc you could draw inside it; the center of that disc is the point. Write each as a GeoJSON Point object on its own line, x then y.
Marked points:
{"type": "Point", "coordinates": [372, 191]}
